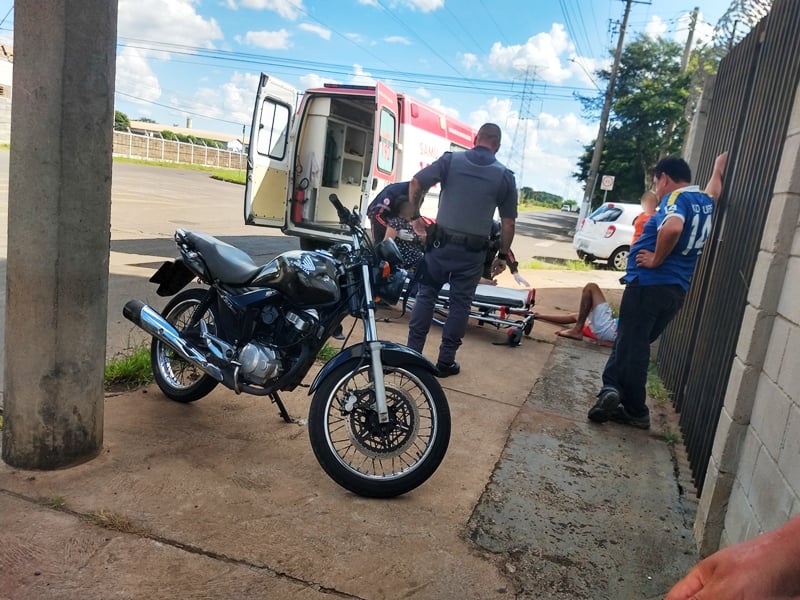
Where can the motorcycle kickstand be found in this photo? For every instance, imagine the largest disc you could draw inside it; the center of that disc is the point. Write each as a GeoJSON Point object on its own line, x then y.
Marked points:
{"type": "Point", "coordinates": [277, 400]}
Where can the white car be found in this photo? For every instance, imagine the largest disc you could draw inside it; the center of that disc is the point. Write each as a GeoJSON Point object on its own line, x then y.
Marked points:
{"type": "Point", "coordinates": [606, 234]}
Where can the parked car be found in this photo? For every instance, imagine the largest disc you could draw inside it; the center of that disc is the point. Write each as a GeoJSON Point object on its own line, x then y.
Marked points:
{"type": "Point", "coordinates": [606, 234]}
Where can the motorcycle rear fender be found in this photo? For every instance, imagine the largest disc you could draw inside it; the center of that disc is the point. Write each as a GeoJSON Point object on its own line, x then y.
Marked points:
{"type": "Point", "coordinates": [172, 277]}
{"type": "Point", "coordinates": [392, 354]}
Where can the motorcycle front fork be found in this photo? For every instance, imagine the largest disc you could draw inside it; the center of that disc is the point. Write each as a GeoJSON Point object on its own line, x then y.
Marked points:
{"type": "Point", "coordinates": [371, 337]}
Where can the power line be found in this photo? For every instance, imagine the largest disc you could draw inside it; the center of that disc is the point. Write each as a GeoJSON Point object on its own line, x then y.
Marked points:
{"type": "Point", "coordinates": [419, 37]}
{"type": "Point", "coordinates": [503, 36]}
{"type": "Point", "coordinates": [247, 59]}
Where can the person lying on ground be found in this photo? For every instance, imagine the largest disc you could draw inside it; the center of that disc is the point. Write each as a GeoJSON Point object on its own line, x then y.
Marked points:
{"type": "Point", "coordinates": [594, 318]}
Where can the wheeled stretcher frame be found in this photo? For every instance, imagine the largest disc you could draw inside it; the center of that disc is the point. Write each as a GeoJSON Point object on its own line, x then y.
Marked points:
{"type": "Point", "coordinates": [504, 308]}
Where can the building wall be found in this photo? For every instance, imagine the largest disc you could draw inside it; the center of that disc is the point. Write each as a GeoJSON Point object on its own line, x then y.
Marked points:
{"type": "Point", "coordinates": [5, 120]}
{"type": "Point", "coordinates": [753, 480]}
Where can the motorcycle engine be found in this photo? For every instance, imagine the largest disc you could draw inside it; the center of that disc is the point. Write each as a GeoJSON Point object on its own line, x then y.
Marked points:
{"type": "Point", "coordinates": [259, 363]}
{"type": "Point", "coordinates": [262, 359]}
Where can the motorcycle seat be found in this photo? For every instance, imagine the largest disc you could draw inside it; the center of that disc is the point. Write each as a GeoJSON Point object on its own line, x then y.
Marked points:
{"type": "Point", "coordinates": [226, 263]}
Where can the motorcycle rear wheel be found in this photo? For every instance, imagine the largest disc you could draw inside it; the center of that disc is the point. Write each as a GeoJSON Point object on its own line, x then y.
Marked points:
{"type": "Point", "coordinates": [369, 458]}
{"type": "Point", "coordinates": [178, 379]}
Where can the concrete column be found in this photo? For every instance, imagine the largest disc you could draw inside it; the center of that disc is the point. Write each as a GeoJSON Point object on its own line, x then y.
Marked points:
{"type": "Point", "coordinates": [693, 144]}
{"type": "Point", "coordinates": [59, 207]}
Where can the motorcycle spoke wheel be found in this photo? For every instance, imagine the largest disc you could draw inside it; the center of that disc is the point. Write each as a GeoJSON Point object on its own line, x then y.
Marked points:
{"type": "Point", "coordinates": [178, 379]}
{"type": "Point", "coordinates": [380, 459]}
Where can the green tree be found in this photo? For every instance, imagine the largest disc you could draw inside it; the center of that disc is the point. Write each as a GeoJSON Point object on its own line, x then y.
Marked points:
{"type": "Point", "coordinates": [647, 117]}
{"type": "Point", "coordinates": [146, 120]}
{"type": "Point", "coordinates": [121, 121]}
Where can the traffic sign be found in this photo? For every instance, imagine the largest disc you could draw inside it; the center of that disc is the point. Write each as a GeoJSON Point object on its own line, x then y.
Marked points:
{"type": "Point", "coordinates": [607, 183]}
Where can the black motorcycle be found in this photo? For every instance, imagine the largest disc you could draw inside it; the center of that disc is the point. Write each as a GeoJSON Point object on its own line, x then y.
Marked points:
{"type": "Point", "coordinates": [379, 422]}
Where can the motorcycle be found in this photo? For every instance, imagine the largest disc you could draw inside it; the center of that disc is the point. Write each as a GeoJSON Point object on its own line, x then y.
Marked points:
{"type": "Point", "coordinates": [378, 422]}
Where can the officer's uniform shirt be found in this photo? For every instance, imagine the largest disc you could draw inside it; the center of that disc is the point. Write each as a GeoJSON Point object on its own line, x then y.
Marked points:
{"type": "Point", "coordinates": [469, 209]}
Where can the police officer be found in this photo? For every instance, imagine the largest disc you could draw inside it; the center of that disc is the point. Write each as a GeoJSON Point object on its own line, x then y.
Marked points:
{"type": "Point", "coordinates": [385, 205]}
{"type": "Point", "coordinates": [474, 184]}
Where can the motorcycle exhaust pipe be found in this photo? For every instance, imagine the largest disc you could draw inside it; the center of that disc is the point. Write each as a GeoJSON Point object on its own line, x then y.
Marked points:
{"type": "Point", "coordinates": [157, 326]}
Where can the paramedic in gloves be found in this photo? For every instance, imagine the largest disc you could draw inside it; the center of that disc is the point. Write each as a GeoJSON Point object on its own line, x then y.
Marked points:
{"type": "Point", "coordinates": [474, 185]}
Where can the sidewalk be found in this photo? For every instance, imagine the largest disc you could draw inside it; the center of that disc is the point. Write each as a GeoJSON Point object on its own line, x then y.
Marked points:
{"type": "Point", "coordinates": [221, 499]}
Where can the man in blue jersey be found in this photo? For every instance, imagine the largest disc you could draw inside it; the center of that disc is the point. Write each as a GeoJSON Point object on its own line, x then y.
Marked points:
{"type": "Point", "coordinates": [660, 267]}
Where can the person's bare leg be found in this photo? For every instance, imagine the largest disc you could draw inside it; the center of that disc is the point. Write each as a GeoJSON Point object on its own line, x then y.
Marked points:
{"type": "Point", "coordinates": [557, 318]}
{"type": "Point", "coordinates": [591, 296]}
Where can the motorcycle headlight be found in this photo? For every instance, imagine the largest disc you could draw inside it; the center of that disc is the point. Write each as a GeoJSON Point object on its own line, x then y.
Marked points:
{"type": "Point", "coordinates": [388, 251]}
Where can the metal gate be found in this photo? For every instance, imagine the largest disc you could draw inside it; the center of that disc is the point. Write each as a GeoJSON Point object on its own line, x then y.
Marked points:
{"type": "Point", "coordinates": [750, 111]}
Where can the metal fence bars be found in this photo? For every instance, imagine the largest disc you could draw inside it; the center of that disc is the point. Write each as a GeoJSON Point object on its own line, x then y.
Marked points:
{"type": "Point", "coordinates": [750, 111]}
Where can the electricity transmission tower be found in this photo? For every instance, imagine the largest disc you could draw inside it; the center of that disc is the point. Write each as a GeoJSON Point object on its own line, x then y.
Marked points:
{"type": "Point", "coordinates": [516, 160]}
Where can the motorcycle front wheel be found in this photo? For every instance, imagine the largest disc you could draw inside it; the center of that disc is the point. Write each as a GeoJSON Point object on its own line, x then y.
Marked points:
{"type": "Point", "coordinates": [373, 459]}
{"type": "Point", "coordinates": [178, 379]}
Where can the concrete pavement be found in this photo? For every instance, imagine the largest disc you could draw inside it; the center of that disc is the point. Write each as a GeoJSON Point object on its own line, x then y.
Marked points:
{"type": "Point", "coordinates": [221, 499]}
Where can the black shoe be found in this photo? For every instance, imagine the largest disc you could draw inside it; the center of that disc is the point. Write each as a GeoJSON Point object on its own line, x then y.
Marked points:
{"type": "Point", "coordinates": [607, 402]}
{"type": "Point", "coordinates": [445, 370]}
{"type": "Point", "coordinates": [621, 416]}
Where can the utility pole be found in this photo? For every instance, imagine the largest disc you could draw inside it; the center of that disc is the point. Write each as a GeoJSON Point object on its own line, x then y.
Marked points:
{"type": "Point", "coordinates": [687, 49]}
{"type": "Point", "coordinates": [591, 181]}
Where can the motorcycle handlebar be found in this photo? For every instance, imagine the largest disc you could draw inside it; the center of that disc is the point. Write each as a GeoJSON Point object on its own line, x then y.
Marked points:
{"type": "Point", "coordinates": [345, 216]}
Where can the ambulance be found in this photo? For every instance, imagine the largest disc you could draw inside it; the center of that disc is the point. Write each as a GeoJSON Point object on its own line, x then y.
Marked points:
{"type": "Point", "coordinates": [341, 139]}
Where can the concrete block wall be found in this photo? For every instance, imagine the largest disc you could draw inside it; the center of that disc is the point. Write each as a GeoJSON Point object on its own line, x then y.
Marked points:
{"type": "Point", "coordinates": [753, 480]}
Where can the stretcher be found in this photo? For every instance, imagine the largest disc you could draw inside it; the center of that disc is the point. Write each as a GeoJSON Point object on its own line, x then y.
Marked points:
{"type": "Point", "coordinates": [504, 308]}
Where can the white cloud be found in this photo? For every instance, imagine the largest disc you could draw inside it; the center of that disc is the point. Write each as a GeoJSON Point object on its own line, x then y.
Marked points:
{"type": "Point", "coordinates": [583, 69]}
{"type": "Point", "coordinates": [655, 28]}
{"type": "Point", "coordinates": [424, 5]}
{"type": "Point", "coordinates": [312, 80]}
{"type": "Point", "coordinates": [422, 93]}
{"type": "Point", "coordinates": [448, 110]}
{"type": "Point", "coordinates": [288, 9]}
{"type": "Point", "coordinates": [355, 37]}
{"type": "Point", "coordinates": [552, 146]}
{"type": "Point", "coordinates": [541, 54]}
{"type": "Point", "coordinates": [703, 31]}
{"type": "Point", "coordinates": [361, 77]}
{"type": "Point", "coordinates": [397, 39]}
{"type": "Point", "coordinates": [135, 77]}
{"type": "Point", "coordinates": [271, 40]}
{"type": "Point", "coordinates": [469, 60]}
{"type": "Point", "coordinates": [175, 21]}
{"type": "Point", "coordinates": [368, 2]}
{"type": "Point", "coordinates": [231, 101]}
{"type": "Point", "coordinates": [322, 32]}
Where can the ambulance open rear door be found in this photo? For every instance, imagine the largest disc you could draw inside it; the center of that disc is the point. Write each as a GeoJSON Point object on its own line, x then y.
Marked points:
{"type": "Point", "coordinates": [269, 156]}
{"type": "Point", "coordinates": [386, 127]}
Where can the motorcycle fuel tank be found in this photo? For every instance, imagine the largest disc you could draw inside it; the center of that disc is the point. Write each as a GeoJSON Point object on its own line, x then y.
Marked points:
{"type": "Point", "coordinates": [306, 278]}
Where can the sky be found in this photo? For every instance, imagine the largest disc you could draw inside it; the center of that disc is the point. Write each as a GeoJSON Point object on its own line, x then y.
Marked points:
{"type": "Point", "coordinates": [518, 63]}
